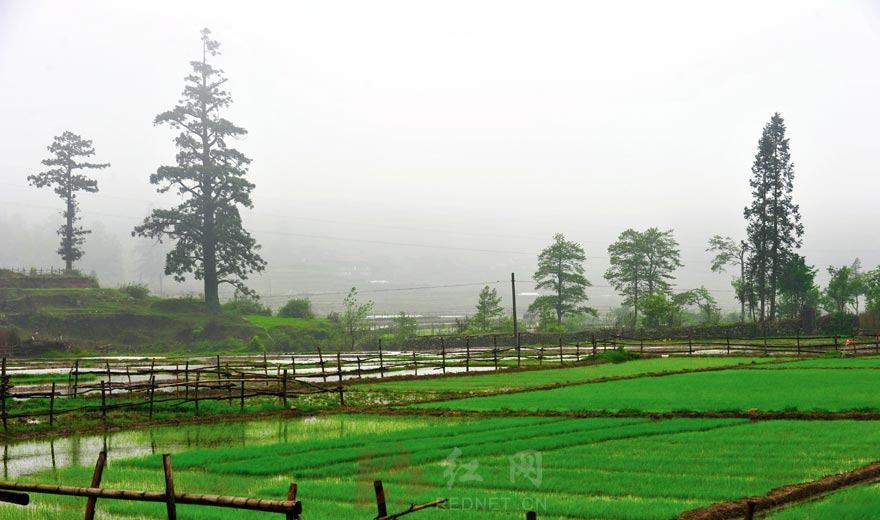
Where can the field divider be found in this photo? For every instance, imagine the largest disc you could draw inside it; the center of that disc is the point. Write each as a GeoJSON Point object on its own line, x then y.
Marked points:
{"type": "Point", "coordinates": [604, 379]}
{"type": "Point", "coordinates": [751, 415]}
{"type": "Point", "coordinates": [783, 496]}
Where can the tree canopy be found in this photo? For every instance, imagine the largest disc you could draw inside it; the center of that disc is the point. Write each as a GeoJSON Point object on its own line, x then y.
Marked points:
{"type": "Point", "coordinates": [774, 226]}
{"type": "Point", "coordinates": [642, 264]}
{"type": "Point", "coordinates": [209, 239]}
{"type": "Point", "coordinates": [67, 150]}
{"type": "Point", "coordinates": [489, 311]}
{"type": "Point", "coordinates": [561, 270]}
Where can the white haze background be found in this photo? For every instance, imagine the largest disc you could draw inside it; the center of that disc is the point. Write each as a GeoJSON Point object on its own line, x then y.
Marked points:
{"type": "Point", "coordinates": [474, 129]}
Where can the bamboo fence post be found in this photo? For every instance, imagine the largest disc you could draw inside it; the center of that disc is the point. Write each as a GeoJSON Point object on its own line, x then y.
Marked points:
{"type": "Point", "coordinates": [560, 351]}
{"type": "Point", "coordinates": [593, 341]}
{"type": "Point", "coordinates": [228, 385]}
{"type": "Point", "coordinates": [52, 407]}
{"type": "Point", "coordinates": [495, 350]}
{"type": "Point", "coordinates": [241, 395]}
{"type": "Point", "coordinates": [541, 356]}
{"type": "Point", "coordinates": [339, 371]}
{"type": "Point", "coordinates": [751, 507]}
{"type": "Point", "coordinates": [152, 394]}
{"type": "Point", "coordinates": [836, 347]}
{"type": "Point", "coordinates": [877, 344]}
{"type": "Point", "coordinates": [467, 355]}
{"type": "Point", "coordinates": [75, 378]}
{"type": "Point", "coordinates": [531, 515]}
{"type": "Point", "coordinates": [380, 499]}
{"type": "Point", "coordinates": [293, 364]}
{"type": "Point", "coordinates": [109, 379]}
{"type": "Point", "coordinates": [690, 344]}
{"type": "Point", "coordinates": [291, 497]}
{"type": "Point", "coordinates": [169, 487]}
{"type": "Point", "coordinates": [321, 363]}
{"type": "Point", "coordinates": [358, 358]}
{"type": "Point", "coordinates": [799, 342]}
{"type": "Point", "coordinates": [381, 361]}
{"type": "Point", "coordinates": [96, 482]}
{"type": "Point", "coordinates": [727, 336]}
{"type": "Point", "coordinates": [3, 384]}
{"type": "Point", "coordinates": [198, 376]}
{"type": "Point", "coordinates": [284, 388]}
{"type": "Point", "coordinates": [4, 381]}
{"type": "Point", "coordinates": [128, 374]}
{"type": "Point", "coordinates": [415, 363]}
{"type": "Point", "coordinates": [103, 403]}
{"type": "Point", "coordinates": [641, 342]}
{"type": "Point", "coordinates": [186, 381]}
{"type": "Point", "coordinates": [266, 368]}
{"type": "Point", "coordinates": [218, 370]}
{"type": "Point", "coordinates": [577, 352]}
{"type": "Point", "coordinates": [443, 354]}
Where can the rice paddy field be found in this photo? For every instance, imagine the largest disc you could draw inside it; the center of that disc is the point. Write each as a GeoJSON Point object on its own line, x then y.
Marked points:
{"type": "Point", "coordinates": [513, 452]}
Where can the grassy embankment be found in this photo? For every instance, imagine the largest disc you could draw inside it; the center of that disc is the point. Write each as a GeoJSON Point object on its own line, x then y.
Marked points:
{"type": "Point", "coordinates": [94, 320]}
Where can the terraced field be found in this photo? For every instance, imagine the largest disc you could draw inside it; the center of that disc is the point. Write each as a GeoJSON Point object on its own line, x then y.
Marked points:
{"type": "Point", "coordinates": [497, 467]}
{"type": "Point", "coordinates": [561, 376]}
{"type": "Point", "coordinates": [807, 389]}
{"type": "Point", "coordinates": [590, 468]}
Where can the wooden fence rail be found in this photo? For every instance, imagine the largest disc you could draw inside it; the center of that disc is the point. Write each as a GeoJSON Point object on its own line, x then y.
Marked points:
{"type": "Point", "coordinates": [285, 376]}
{"type": "Point", "coordinates": [15, 492]}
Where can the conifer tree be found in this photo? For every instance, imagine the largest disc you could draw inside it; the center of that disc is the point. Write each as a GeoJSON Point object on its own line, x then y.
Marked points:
{"type": "Point", "coordinates": [774, 223]}
{"type": "Point", "coordinates": [66, 150]}
{"type": "Point", "coordinates": [209, 239]}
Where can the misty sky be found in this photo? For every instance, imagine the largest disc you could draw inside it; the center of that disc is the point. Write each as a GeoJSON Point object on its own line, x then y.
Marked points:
{"type": "Point", "coordinates": [480, 127]}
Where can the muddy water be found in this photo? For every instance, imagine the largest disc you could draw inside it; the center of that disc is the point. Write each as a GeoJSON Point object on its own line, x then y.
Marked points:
{"type": "Point", "coordinates": [29, 457]}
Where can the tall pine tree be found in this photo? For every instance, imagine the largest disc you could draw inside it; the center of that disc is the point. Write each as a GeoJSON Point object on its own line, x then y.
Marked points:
{"type": "Point", "coordinates": [561, 270]}
{"type": "Point", "coordinates": [66, 150]}
{"type": "Point", "coordinates": [210, 241]}
{"type": "Point", "coordinates": [774, 221]}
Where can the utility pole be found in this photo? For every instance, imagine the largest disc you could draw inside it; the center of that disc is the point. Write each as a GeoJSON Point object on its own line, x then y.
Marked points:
{"type": "Point", "coordinates": [515, 331]}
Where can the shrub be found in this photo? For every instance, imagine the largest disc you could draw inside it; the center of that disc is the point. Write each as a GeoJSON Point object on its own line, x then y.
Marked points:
{"type": "Point", "coordinates": [137, 291]}
{"type": "Point", "coordinates": [297, 308]}
{"type": "Point", "coordinates": [242, 306]}
{"type": "Point", "coordinates": [619, 355]}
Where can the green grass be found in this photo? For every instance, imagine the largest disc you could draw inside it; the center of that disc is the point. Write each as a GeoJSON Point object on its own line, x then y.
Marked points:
{"type": "Point", "coordinates": [730, 390]}
{"type": "Point", "coordinates": [848, 362]}
{"type": "Point", "coordinates": [591, 468]}
{"type": "Point", "coordinates": [854, 503]}
{"type": "Point", "coordinates": [270, 322]}
{"type": "Point", "coordinates": [532, 378]}
{"type": "Point", "coordinates": [98, 316]}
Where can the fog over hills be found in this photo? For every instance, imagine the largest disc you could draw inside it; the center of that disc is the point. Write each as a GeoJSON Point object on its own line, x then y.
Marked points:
{"type": "Point", "coordinates": [421, 145]}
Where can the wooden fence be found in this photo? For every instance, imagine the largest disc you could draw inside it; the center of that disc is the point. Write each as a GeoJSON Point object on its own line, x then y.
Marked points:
{"type": "Point", "coordinates": [145, 388]}
{"type": "Point", "coordinates": [195, 380]}
{"type": "Point", "coordinates": [291, 508]}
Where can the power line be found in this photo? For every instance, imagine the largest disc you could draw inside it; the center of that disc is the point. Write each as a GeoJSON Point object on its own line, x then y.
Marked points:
{"type": "Point", "coordinates": [395, 289]}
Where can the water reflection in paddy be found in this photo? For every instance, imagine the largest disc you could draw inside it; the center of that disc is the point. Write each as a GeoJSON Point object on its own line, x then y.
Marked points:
{"type": "Point", "coordinates": [29, 457]}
